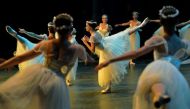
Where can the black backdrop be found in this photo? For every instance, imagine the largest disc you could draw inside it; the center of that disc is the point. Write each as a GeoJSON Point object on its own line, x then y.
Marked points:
{"type": "Point", "coordinates": [33, 15]}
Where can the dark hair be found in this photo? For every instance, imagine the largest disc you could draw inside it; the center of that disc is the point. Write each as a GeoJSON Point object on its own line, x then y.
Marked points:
{"type": "Point", "coordinates": [92, 24]}
{"type": "Point", "coordinates": [63, 23]}
{"type": "Point", "coordinates": [169, 18]}
{"type": "Point", "coordinates": [51, 27]}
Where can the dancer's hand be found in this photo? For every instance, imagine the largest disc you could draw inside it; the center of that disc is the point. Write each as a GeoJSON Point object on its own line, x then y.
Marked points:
{"type": "Point", "coordinates": [22, 30]}
{"type": "Point", "coordinates": [85, 39]}
{"type": "Point", "coordinates": [117, 25]}
{"type": "Point", "coordinates": [102, 65]}
{"type": "Point", "coordinates": [145, 21]}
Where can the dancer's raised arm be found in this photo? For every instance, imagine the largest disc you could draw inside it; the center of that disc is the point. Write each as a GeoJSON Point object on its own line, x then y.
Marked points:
{"type": "Point", "coordinates": [33, 35]}
{"type": "Point", "coordinates": [20, 58]}
{"type": "Point", "coordinates": [147, 48]}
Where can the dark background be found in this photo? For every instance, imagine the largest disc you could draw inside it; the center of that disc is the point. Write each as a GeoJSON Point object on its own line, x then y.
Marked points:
{"type": "Point", "coordinates": [33, 15]}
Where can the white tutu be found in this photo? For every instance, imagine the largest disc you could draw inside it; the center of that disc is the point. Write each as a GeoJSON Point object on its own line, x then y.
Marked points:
{"type": "Point", "coordinates": [71, 76]}
{"type": "Point", "coordinates": [161, 71]}
{"type": "Point", "coordinates": [113, 46]}
{"type": "Point", "coordinates": [35, 87]}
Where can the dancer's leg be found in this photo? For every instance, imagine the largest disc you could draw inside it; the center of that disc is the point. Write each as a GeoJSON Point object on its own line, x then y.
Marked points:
{"type": "Point", "coordinates": [159, 95]}
{"type": "Point", "coordinates": [21, 39]}
{"type": "Point", "coordinates": [107, 89]}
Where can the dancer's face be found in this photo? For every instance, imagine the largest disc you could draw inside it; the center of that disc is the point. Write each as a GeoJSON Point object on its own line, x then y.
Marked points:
{"type": "Point", "coordinates": [104, 19]}
{"type": "Point", "coordinates": [88, 27]}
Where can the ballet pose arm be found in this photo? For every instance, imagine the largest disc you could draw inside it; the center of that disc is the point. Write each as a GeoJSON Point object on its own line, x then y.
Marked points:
{"type": "Point", "coordinates": [123, 24]}
{"type": "Point", "coordinates": [33, 35]}
{"type": "Point", "coordinates": [183, 24]}
{"type": "Point", "coordinates": [129, 55]}
{"type": "Point", "coordinates": [20, 58]}
{"type": "Point", "coordinates": [147, 48]}
{"type": "Point", "coordinates": [154, 21]}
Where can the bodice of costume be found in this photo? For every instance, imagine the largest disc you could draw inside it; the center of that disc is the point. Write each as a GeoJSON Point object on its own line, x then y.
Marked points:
{"type": "Point", "coordinates": [57, 64]}
{"type": "Point", "coordinates": [103, 31]}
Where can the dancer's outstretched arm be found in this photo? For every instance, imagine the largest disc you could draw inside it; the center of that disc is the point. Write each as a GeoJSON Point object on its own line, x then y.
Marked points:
{"type": "Point", "coordinates": [18, 59]}
{"type": "Point", "coordinates": [134, 54]}
{"type": "Point", "coordinates": [129, 55]}
{"type": "Point", "coordinates": [154, 21]}
{"type": "Point", "coordinates": [33, 35]}
{"type": "Point", "coordinates": [123, 24]}
{"type": "Point", "coordinates": [183, 24]}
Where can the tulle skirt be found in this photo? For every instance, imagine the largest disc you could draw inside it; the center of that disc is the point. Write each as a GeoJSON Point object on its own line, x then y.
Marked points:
{"type": "Point", "coordinates": [161, 71]}
{"type": "Point", "coordinates": [71, 76]}
{"type": "Point", "coordinates": [35, 87]}
{"type": "Point", "coordinates": [113, 46]}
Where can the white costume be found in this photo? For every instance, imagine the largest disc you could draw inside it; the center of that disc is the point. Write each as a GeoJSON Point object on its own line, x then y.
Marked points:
{"type": "Point", "coordinates": [109, 47]}
{"type": "Point", "coordinates": [164, 70]}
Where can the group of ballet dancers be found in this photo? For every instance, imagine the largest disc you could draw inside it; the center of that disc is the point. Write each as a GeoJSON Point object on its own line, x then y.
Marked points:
{"type": "Point", "coordinates": [161, 84]}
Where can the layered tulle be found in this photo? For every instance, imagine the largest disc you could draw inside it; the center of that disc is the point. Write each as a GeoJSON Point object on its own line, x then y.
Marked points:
{"type": "Point", "coordinates": [161, 71]}
{"type": "Point", "coordinates": [71, 76]}
{"type": "Point", "coordinates": [35, 87]}
{"type": "Point", "coordinates": [113, 46]}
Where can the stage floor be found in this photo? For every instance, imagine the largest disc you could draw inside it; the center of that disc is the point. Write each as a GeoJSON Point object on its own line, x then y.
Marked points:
{"type": "Point", "coordinates": [85, 93]}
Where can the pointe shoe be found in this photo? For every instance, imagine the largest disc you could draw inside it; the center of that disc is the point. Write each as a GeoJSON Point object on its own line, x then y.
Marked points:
{"type": "Point", "coordinates": [11, 31]}
{"type": "Point", "coordinates": [161, 101]}
{"type": "Point", "coordinates": [68, 82]}
{"type": "Point", "coordinates": [106, 91]}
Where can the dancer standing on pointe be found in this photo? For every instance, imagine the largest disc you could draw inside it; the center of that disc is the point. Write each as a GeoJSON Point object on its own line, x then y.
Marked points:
{"type": "Point", "coordinates": [104, 28]}
{"type": "Point", "coordinates": [43, 86]}
{"type": "Point", "coordinates": [161, 85]}
{"type": "Point", "coordinates": [108, 48]}
{"type": "Point", "coordinates": [135, 37]}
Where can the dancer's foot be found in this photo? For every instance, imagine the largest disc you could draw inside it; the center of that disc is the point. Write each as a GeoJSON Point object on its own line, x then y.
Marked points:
{"type": "Point", "coordinates": [11, 31]}
{"type": "Point", "coordinates": [68, 82]}
{"type": "Point", "coordinates": [164, 99]}
{"type": "Point", "coordinates": [106, 90]}
{"type": "Point", "coordinates": [145, 21]}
